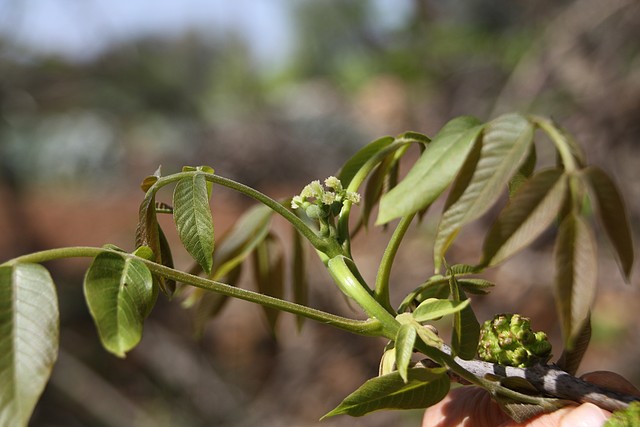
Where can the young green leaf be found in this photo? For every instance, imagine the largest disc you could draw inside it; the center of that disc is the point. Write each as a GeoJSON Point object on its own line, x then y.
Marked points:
{"type": "Point", "coordinates": [192, 215]}
{"type": "Point", "coordinates": [466, 329]}
{"type": "Point", "coordinates": [119, 294]}
{"type": "Point", "coordinates": [148, 181]}
{"type": "Point", "coordinates": [505, 145]}
{"type": "Point", "coordinates": [29, 327]}
{"type": "Point", "coordinates": [299, 275]}
{"type": "Point", "coordinates": [167, 286]}
{"type": "Point", "coordinates": [405, 339]}
{"type": "Point", "coordinates": [531, 210]}
{"type": "Point", "coordinates": [268, 272]}
{"type": "Point", "coordinates": [376, 183]}
{"type": "Point", "coordinates": [475, 286]}
{"type": "Point", "coordinates": [570, 359]}
{"type": "Point", "coordinates": [355, 163]}
{"type": "Point", "coordinates": [432, 309]}
{"type": "Point", "coordinates": [149, 233]}
{"type": "Point", "coordinates": [576, 275]}
{"type": "Point", "coordinates": [612, 215]}
{"type": "Point", "coordinates": [232, 250]}
{"type": "Point", "coordinates": [425, 387]}
{"type": "Point", "coordinates": [241, 240]}
{"type": "Point", "coordinates": [433, 172]}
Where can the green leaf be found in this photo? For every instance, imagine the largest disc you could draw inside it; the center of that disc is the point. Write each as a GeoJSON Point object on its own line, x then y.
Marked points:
{"type": "Point", "coordinates": [192, 215]}
{"type": "Point", "coordinates": [433, 172]}
{"type": "Point", "coordinates": [119, 293]}
{"type": "Point", "coordinates": [299, 275]}
{"type": "Point", "coordinates": [525, 172]}
{"type": "Point", "coordinates": [168, 286]}
{"type": "Point", "coordinates": [428, 336]}
{"type": "Point", "coordinates": [425, 387]}
{"type": "Point", "coordinates": [432, 309]}
{"type": "Point", "coordinates": [576, 275]}
{"type": "Point", "coordinates": [29, 327]}
{"type": "Point", "coordinates": [571, 358]}
{"type": "Point", "coordinates": [232, 250]}
{"type": "Point", "coordinates": [379, 179]}
{"type": "Point", "coordinates": [268, 272]}
{"type": "Point", "coordinates": [435, 287]}
{"type": "Point", "coordinates": [505, 145]}
{"type": "Point", "coordinates": [612, 214]}
{"type": "Point", "coordinates": [405, 339]}
{"type": "Point", "coordinates": [151, 179]}
{"type": "Point", "coordinates": [241, 240]}
{"type": "Point", "coordinates": [149, 233]}
{"type": "Point", "coordinates": [388, 360]}
{"type": "Point", "coordinates": [475, 286]}
{"type": "Point", "coordinates": [521, 412]}
{"type": "Point", "coordinates": [466, 329]}
{"type": "Point", "coordinates": [531, 210]}
{"type": "Point", "coordinates": [355, 163]}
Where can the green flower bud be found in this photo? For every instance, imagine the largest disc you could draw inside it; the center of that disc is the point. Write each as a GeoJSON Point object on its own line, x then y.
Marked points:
{"type": "Point", "coordinates": [507, 339]}
{"type": "Point", "coordinates": [315, 212]}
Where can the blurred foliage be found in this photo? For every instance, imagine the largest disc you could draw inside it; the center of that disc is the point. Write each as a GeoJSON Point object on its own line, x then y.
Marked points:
{"type": "Point", "coordinates": [105, 123]}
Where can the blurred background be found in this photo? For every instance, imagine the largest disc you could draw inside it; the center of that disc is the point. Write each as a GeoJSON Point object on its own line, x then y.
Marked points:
{"type": "Point", "coordinates": [95, 95]}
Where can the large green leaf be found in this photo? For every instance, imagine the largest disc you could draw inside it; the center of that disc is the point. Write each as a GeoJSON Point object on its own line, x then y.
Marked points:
{"type": "Point", "coordinates": [192, 215]}
{"type": "Point", "coordinates": [433, 171]}
{"type": "Point", "coordinates": [119, 293]}
{"type": "Point", "coordinates": [425, 387]}
{"type": "Point", "coordinates": [505, 145]}
{"type": "Point", "coordinates": [576, 275]}
{"type": "Point", "coordinates": [612, 215]}
{"type": "Point", "coordinates": [29, 327]}
{"type": "Point", "coordinates": [531, 210]}
{"type": "Point", "coordinates": [355, 163]}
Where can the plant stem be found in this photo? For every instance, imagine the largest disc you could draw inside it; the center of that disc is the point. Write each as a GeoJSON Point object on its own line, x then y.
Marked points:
{"type": "Point", "coordinates": [369, 327]}
{"type": "Point", "coordinates": [384, 271]}
{"type": "Point", "coordinates": [346, 276]}
{"type": "Point", "coordinates": [559, 140]}
{"type": "Point", "coordinates": [549, 380]}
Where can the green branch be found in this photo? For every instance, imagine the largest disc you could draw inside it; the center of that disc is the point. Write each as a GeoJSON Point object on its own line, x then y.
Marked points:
{"type": "Point", "coordinates": [384, 271]}
{"type": "Point", "coordinates": [369, 327]}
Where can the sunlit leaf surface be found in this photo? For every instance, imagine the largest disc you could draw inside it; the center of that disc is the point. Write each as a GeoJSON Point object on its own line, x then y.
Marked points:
{"type": "Point", "coordinates": [119, 293]}
{"type": "Point", "coordinates": [29, 329]}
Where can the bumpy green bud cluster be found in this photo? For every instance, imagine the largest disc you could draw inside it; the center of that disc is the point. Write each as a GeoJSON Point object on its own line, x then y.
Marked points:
{"type": "Point", "coordinates": [629, 417]}
{"type": "Point", "coordinates": [322, 203]}
{"type": "Point", "coordinates": [508, 340]}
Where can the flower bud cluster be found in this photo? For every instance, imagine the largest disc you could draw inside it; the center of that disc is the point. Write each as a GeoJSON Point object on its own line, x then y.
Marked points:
{"type": "Point", "coordinates": [507, 339]}
{"type": "Point", "coordinates": [322, 203]}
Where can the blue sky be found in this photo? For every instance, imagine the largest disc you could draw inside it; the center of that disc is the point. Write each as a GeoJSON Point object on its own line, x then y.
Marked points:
{"type": "Point", "coordinates": [80, 29]}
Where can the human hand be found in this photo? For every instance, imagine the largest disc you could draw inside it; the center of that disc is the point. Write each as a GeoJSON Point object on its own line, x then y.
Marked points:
{"type": "Point", "coordinates": [473, 406]}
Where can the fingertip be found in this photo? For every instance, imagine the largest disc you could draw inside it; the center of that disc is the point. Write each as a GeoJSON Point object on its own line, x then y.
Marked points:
{"type": "Point", "coordinates": [585, 415]}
